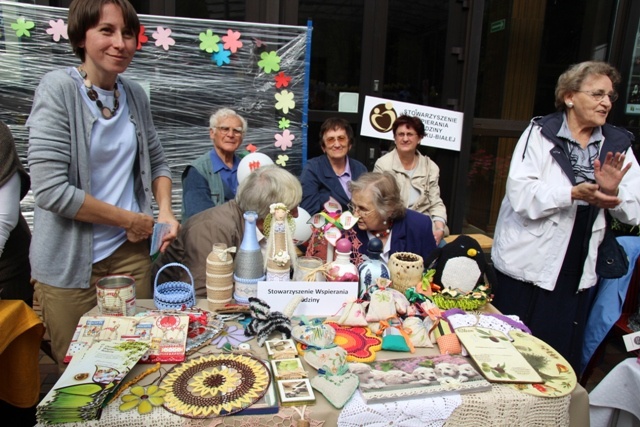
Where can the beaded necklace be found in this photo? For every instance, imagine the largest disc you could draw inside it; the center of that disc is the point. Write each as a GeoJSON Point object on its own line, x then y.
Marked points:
{"type": "Point", "coordinates": [384, 233]}
{"type": "Point", "coordinates": [107, 113]}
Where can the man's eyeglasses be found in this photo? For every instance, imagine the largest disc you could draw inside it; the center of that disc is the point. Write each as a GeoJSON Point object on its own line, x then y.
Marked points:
{"type": "Point", "coordinates": [341, 139]}
{"type": "Point", "coordinates": [226, 129]}
{"type": "Point", "coordinates": [363, 213]}
{"type": "Point", "coordinates": [600, 94]}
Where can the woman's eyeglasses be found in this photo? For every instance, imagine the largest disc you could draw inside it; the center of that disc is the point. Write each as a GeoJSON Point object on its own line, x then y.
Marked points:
{"type": "Point", "coordinates": [363, 213]}
{"type": "Point", "coordinates": [599, 95]}
{"type": "Point", "coordinates": [341, 139]}
{"type": "Point", "coordinates": [226, 129]}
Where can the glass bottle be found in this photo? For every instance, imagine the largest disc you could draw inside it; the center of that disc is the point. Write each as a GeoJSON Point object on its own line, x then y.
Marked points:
{"type": "Point", "coordinates": [373, 268]}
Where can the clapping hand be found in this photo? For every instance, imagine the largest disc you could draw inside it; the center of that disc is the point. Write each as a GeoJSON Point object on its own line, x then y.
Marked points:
{"type": "Point", "coordinates": [609, 174]}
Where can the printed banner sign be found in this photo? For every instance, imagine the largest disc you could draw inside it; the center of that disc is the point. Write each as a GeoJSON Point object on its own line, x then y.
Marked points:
{"type": "Point", "coordinates": [443, 128]}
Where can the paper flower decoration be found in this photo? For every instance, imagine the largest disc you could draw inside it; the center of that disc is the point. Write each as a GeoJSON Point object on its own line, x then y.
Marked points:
{"type": "Point", "coordinates": [282, 80]}
{"type": "Point", "coordinates": [284, 140]}
{"type": "Point", "coordinates": [221, 56]}
{"type": "Point", "coordinates": [22, 28]}
{"type": "Point", "coordinates": [251, 148]}
{"type": "Point", "coordinates": [162, 37]}
{"type": "Point", "coordinates": [57, 30]}
{"type": "Point", "coordinates": [143, 398]}
{"type": "Point", "coordinates": [209, 41]}
{"type": "Point", "coordinates": [232, 41]}
{"type": "Point", "coordinates": [270, 61]}
{"type": "Point", "coordinates": [142, 38]}
{"type": "Point", "coordinates": [232, 335]}
{"type": "Point", "coordinates": [282, 160]}
{"type": "Point", "coordinates": [332, 221]}
{"type": "Point", "coordinates": [285, 101]}
{"type": "Point", "coordinates": [284, 123]}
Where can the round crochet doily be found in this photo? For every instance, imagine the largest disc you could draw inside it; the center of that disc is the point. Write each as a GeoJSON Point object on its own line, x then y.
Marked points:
{"type": "Point", "coordinates": [214, 385]}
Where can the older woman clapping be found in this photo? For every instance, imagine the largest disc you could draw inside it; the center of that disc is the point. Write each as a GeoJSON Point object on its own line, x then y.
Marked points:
{"type": "Point", "coordinates": [375, 200]}
{"type": "Point", "coordinates": [567, 168]}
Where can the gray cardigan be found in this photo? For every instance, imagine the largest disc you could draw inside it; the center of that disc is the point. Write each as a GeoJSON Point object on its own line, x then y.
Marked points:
{"type": "Point", "coordinates": [60, 128]}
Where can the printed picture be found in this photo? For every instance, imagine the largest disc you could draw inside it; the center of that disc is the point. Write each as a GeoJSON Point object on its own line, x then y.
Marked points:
{"type": "Point", "coordinates": [295, 390]}
{"type": "Point", "coordinates": [288, 368]}
{"type": "Point", "coordinates": [279, 346]}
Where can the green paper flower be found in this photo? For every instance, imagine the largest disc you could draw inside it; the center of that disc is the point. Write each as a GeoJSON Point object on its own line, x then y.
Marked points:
{"type": "Point", "coordinates": [143, 398]}
{"type": "Point", "coordinates": [285, 101]}
{"type": "Point", "coordinates": [284, 123]}
{"type": "Point", "coordinates": [22, 27]}
{"type": "Point", "coordinates": [209, 42]}
{"type": "Point", "coordinates": [270, 61]}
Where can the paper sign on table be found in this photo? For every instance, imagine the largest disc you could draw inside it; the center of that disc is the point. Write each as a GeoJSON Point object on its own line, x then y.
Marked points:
{"type": "Point", "coordinates": [318, 298]}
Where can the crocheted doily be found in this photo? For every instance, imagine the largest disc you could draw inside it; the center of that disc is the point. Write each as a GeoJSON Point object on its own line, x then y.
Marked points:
{"type": "Point", "coordinates": [214, 385]}
{"type": "Point", "coordinates": [361, 344]}
{"type": "Point", "coordinates": [428, 412]}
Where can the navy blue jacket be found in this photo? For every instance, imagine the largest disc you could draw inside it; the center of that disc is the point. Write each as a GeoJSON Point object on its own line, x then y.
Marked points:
{"type": "Point", "coordinates": [412, 233]}
{"type": "Point", "coordinates": [319, 181]}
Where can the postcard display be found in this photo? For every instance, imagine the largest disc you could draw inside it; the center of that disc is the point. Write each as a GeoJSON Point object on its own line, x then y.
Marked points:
{"type": "Point", "coordinates": [187, 67]}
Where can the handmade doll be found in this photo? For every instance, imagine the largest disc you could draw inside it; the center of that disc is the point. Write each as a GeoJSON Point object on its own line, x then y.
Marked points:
{"type": "Point", "coordinates": [281, 252]}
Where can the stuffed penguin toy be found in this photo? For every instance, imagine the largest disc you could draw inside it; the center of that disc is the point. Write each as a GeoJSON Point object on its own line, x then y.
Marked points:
{"type": "Point", "coordinates": [461, 265]}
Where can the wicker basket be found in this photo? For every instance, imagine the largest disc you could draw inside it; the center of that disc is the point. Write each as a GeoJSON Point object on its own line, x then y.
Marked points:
{"type": "Point", "coordinates": [173, 295]}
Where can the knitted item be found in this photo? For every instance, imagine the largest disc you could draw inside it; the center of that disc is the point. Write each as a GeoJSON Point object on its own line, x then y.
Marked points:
{"type": "Point", "coordinates": [264, 322]}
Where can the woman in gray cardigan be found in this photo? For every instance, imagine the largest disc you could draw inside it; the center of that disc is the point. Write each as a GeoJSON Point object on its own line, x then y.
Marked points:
{"type": "Point", "coordinates": [95, 162]}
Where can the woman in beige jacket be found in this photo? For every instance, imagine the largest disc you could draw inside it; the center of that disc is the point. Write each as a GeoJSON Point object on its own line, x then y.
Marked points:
{"type": "Point", "coordinates": [417, 175]}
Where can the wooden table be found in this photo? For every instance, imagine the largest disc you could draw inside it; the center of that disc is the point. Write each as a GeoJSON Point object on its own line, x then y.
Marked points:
{"type": "Point", "coordinates": [500, 400]}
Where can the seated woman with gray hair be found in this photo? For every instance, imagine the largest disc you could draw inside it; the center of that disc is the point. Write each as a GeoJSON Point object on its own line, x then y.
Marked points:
{"type": "Point", "coordinates": [225, 223]}
{"type": "Point", "coordinates": [375, 200]}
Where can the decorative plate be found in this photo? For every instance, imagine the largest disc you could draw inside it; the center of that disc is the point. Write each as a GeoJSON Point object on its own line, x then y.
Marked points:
{"type": "Point", "coordinates": [558, 375]}
{"type": "Point", "coordinates": [361, 344]}
{"type": "Point", "coordinates": [215, 385]}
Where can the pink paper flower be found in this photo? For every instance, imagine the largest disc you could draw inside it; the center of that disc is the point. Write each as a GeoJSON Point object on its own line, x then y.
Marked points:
{"type": "Point", "coordinates": [232, 41]}
{"type": "Point", "coordinates": [162, 38]}
{"type": "Point", "coordinates": [58, 29]}
{"type": "Point", "coordinates": [284, 140]}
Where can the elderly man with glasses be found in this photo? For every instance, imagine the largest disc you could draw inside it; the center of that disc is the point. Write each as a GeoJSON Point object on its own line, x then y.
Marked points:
{"type": "Point", "coordinates": [212, 178]}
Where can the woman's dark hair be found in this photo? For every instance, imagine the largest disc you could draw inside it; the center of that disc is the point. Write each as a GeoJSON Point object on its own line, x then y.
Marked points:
{"type": "Point", "coordinates": [333, 123]}
{"type": "Point", "coordinates": [411, 122]}
{"type": "Point", "coordinates": [85, 14]}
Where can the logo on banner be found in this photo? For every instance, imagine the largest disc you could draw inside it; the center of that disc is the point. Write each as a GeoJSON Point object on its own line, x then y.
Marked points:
{"type": "Point", "coordinates": [382, 117]}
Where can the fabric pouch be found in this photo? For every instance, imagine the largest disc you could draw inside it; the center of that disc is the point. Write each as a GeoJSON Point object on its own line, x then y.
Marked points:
{"type": "Point", "coordinates": [314, 333]}
{"type": "Point", "coordinates": [447, 341]}
{"type": "Point", "coordinates": [418, 334]}
{"type": "Point", "coordinates": [353, 314]}
{"type": "Point", "coordinates": [400, 301]}
{"type": "Point", "coordinates": [395, 337]}
{"type": "Point", "coordinates": [382, 306]}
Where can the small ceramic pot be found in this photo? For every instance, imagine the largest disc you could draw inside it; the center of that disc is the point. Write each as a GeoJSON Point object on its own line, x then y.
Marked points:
{"type": "Point", "coordinates": [406, 270]}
